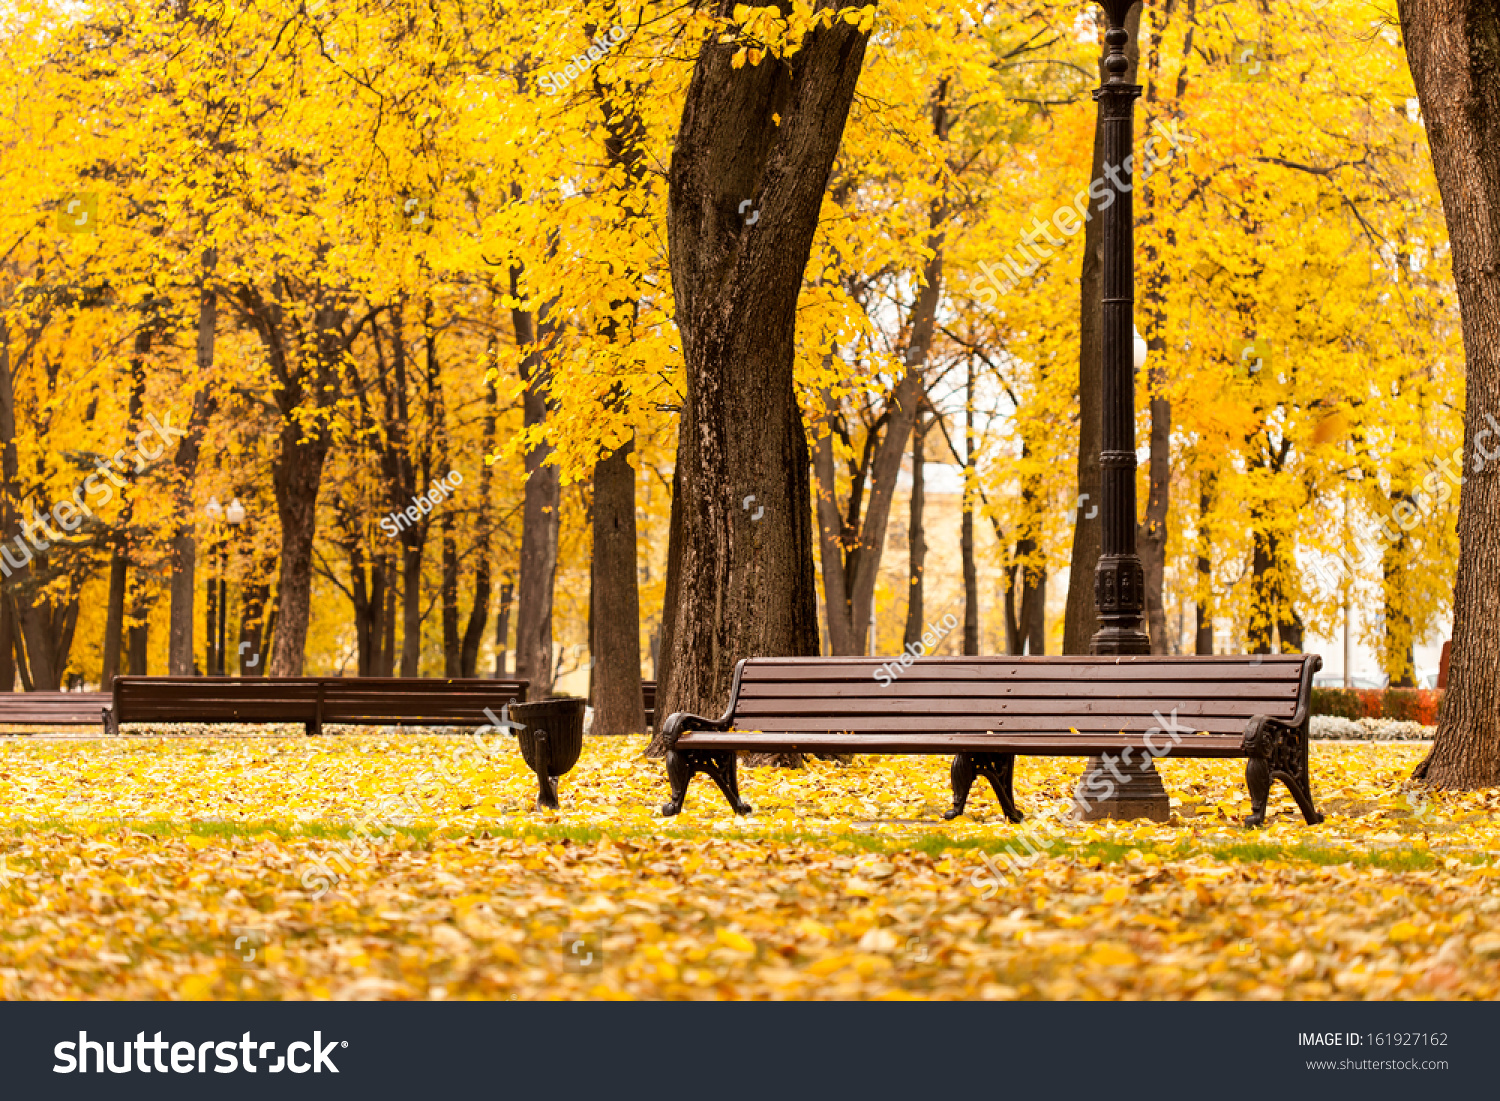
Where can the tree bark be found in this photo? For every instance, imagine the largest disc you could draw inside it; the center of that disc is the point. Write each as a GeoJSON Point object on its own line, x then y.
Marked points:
{"type": "Point", "coordinates": [614, 608]}
{"type": "Point", "coordinates": [1453, 47]}
{"type": "Point", "coordinates": [618, 706]}
{"type": "Point", "coordinates": [746, 586]}
{"type": "Point", "coordinates": [502, 625]}
{"type": "Point", "coordinates": [180, 643]}
{"type": "Point", "coordinates": [539, 513]}
{"type": "Point", "coordinates": [7, 643]}
{"type": "Point", "coordinates": [452, 642]}
{"type": "Point", "coordinates": [966, 525]}
{"type": "Point", "coordinates": [479, 613]}
{"type": "Point", "coordinates": [1203, 606]}
{"type": "Point", "coordinates": [916, 541]}
{"type": "Point", "coordinates": [663, 667]}
{"type": "Point", "coordinates": [251, 657]}
{"type": "Point", "coordinates": [1081, 620]}
{"type": "Point", "coordinates": [119, 543]}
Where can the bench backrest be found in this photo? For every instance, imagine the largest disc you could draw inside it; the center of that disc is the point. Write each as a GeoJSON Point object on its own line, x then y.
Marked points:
{"type": "Point", "coordinates": [52, 708]}
{"type": "Point", "coordinates": [354, 700]}
{"type": "Point", "coordinates": [1041, 695]}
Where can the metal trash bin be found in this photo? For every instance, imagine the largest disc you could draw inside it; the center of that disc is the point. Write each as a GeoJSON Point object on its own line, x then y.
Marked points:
{"type": "Point", "coordinates": [551, 737]}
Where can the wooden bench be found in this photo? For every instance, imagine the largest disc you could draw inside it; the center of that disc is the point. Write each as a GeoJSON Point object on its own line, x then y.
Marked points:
{"type": "Point", "coordinates": [313, 701]}
{"type": "Point", "coordinates": [52, 708]}
{"type": "Point", "coordinates": [648, 697]}
{"type": "Point", "coordinates": [985, 710]}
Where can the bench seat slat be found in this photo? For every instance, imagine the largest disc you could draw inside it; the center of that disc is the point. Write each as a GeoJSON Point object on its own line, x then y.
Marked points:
{"type": "Point", "coordinates": [1220, 745]}
{"type": "Point", "coordinates": [1018, 724]}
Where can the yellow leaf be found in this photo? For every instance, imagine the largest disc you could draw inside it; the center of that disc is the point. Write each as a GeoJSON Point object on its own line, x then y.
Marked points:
{"type": "Point", "coordinates": [730, 939]}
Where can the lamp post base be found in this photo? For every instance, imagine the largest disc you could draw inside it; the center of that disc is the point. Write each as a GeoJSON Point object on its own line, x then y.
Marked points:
{"type": "Point", "coordinates": [1101, 794]}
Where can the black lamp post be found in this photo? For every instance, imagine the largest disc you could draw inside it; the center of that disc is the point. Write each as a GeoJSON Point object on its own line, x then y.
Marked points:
{"type": "Point", "coordinates": [1119, 584]}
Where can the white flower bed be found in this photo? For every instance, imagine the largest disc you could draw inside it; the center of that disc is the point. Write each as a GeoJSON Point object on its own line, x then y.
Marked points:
{"type": "Point", "coordinates": [1334, 728]}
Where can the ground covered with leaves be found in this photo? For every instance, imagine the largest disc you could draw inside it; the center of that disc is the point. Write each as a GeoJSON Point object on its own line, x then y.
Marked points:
{"type": "Point", "coordinates": [408, 867]}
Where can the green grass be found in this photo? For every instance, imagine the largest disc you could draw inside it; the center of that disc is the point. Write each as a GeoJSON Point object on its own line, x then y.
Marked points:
{"type": "Point", "coordinates": [1393, 858]}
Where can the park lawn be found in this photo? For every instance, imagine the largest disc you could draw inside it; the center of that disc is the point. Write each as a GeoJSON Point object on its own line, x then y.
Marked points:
{"type": "Point", "coordinates": [132, 866]}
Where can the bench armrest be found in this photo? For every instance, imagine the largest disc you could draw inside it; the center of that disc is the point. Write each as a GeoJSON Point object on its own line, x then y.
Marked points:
{"type": "Point", "coordinates": [681, 722]}
{"type": "Point", "coordinates": [1263, 734]}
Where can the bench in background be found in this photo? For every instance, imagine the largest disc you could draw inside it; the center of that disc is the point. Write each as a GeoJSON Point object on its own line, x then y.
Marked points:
{"type": "Point", "coordinates": [52, 708]}
{"type": "Point", "coordinates": [313, 701]}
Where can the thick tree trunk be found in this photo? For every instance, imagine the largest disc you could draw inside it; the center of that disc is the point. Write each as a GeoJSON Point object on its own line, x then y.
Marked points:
{"type": "Point", "coordinates": [1454, 50]}
{"type": "Point", "coordinates": [119, 564]}
{"type": "Point", "coordinates": [1400, 647]}
{"type": "Point", "coordinates": [916, 540]}
{"type": "Point", "coordinates": [180, 643]}
{"type": "Point", "coordinates": [1203, 607]}
{"type": "Point", "coordinates": [1264, 595]}
{"type": "Point", "coordinates": [1152, 536]}
{"type": "Point", "coordinates": [251, 656]}
{"type": "Point", "coordinates": [114, 617]}
{"type": "Point", "coordinates": [616, 647]}
{"type": "Point", "coordinates": [452, 643]}
{"type": "Point", "coordinates": [539, 513]}
{"type": "Point", "coordinates": [211, 619]}
{"type": "Point", "coordinates": [479, 617]}
{"type": "Point", "coordinates": [1081, 621]}
{"type": "Point", "coordinates": [966, 525]}
{"type": "Point", "coordinates": [614, 598]}
{"type": "Point", "coordinates": [367, 589]}
{"type": "Point", "coordinates": [137, 640]}
{"type": "Point", "coordinates": [297, 474]}
{"type": "Point", "coordinates": [387, 666]}
{"type": "Point", "coordinates": [411, 607]}
{"type": "Point", "coordinates": [479, 613]}
{"type": "Point", "coordinates": [746, 586]}
{"type": "Point", "coordinates": [8, 643]}
{"type": "Point", "coordinates": [663, 666]}
{"type": "Point", "coordinates": [502, 625]}
{"type": "Point", "coordinates": [1453, 47]}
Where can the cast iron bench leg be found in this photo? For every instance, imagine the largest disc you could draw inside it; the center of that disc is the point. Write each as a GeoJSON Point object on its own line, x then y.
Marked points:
{"type": "Point", "coordinates": [1277, 753]}
{"type": "Point", "coordinates": [998, 768]}
{"type": "Point", "coordinates": [722, 766]}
